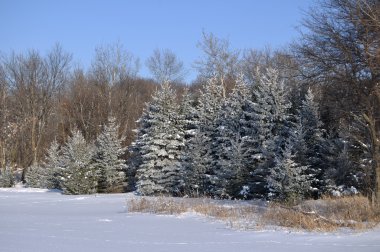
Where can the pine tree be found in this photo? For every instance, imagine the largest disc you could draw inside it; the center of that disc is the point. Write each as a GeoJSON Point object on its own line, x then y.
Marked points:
{"type": "Point", "coordinates": [188, 115]}
{"type": "Point", "coordinates": [199, 164]}
{"type": "Point", "coordinates": [235, 145]}
{"type": "Point", "coordinates": [46, 175]}
{"type": "Point", "coordinates": [160, 142]}
{"type": "Point", "coordinates": [189, 121]}
{"type": "Point", "coordinates": [53, 166]}
{"type": "Point", "coordinates": [271, 111]}
{"type": "Point", "coordinates": [35, 177]}
{"type": "Point", "coordinates": [6, 177]}
{"type": "Point", "coordinates": [78, 175]}
{"type": "Point", "coordinates": [195, 167]}
{"type": "Point", "coordinates": [351, 158]}
{"type": "Point", "coordinates": [312, 149]}
{"type": "Point", "coordinates": [107, 160]}
{"type": "Point", "coordinates": [287, 180]}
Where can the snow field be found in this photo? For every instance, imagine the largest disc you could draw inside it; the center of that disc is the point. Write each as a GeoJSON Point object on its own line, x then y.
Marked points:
{"type": "Point", "coordinates": [37, 220]}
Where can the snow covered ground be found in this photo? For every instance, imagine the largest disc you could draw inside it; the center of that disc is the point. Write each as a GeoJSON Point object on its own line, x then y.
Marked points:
{"type": "Point", "coordinates": [38, 220]}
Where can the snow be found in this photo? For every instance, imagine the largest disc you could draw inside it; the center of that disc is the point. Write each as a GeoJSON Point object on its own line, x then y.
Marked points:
{"type": "Point", "coordinates": [42, 220]}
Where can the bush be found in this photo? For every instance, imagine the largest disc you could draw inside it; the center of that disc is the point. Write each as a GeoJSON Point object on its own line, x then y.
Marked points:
{"type": "Point", "coordinates": [7, 178]}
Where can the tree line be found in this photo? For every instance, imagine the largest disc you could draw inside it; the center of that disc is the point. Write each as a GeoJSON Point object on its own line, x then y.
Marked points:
{"type": "Point", "coordinates": [43, 98]}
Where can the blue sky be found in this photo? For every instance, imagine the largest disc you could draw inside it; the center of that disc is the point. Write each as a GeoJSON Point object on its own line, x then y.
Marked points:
{"type": "Point", "coordinates": [143, 25]}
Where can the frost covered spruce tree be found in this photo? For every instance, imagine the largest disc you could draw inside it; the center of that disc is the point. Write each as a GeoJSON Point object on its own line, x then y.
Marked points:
{"type": "Point", "coordinates": [53, 166]}
{"type": "Point", "coordinates": [271, 111]}
{"type": "Point", "coordinates": [287, 180]}
{"type": "Point", "coordinates": [78, 175]}
{"type": "Point", "coordinates": [6, 177]}
{"type": "Point", "coordinates": [35, 177]}
{"type": "Point", "coordinates": [189, 121]}
{"type": "Point", "coordinates": [188, 115]}
{"type": "Point", "coordinates": [312, 149]}
{"type": "Point", "coordinates": [46, 175]}
{"type": "Point", "coordinates": [235, 145]}
{"type": "Point", "coordinates": [199, 159]}
{"type": "Point", "coordinates": [107, 159]}
{"type": "Point", "coordinates": [160, 141]}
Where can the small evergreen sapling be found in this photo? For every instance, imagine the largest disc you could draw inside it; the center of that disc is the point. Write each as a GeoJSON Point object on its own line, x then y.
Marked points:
{"type": "Point", "coordinates": [78, 175]}
{"type": "Point", "coordinates": [6, 178]}
{"type": "Point", "coordinates": [107, 160]}
{"type": "Point", "coordinates": [53, 166]}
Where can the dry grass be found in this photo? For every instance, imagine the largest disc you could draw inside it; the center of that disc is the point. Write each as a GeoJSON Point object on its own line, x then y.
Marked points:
{"type": "Point", "coordinates": [159, 205]}
{"type": "Point", "coordinates": [239, 217]}
{"type": "Point", "coordinates": [324, 215]}
{"type": "Point", "coordinates": [328, 214]}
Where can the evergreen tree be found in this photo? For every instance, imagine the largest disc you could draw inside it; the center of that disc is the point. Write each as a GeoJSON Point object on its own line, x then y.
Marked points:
{"type": "Point", "coordinates": [189, 121]}
{"type": "Point", "coordinates": [107, 160]}
{"type": "Point", "coordinates": [47, 174]}
{"type": "Point", "coordinates": [78, 175]}
{"type": "Point", "coordinates": [199, 151]}
{"type": "Point", "coordinates": [188, 115]}
{"type": "Point", "coordinates": [35, 177]}
{"type": "Point", "coordinates": [160, 142]}
{"type": "Point", "coordinates": [312, 147]}
{"type": "Point", "coordinates": [6, 178]}
{"type": "Point", "coordinates": [271, 111]}
{"type": "Point", "coordinates": [351, 158]}
{"type": "Point", "coordinates": [53, 166]}
{"type": "Point", "coordinates": [287, 179]}
{"type": "Point", "coordinates": [235, 145]}
{"type": "Point", "coordinates": [196, 180]}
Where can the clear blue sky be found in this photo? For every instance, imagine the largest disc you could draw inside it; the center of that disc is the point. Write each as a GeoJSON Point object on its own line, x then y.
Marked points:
{"type": "Point", "coordinates": [143, 25]}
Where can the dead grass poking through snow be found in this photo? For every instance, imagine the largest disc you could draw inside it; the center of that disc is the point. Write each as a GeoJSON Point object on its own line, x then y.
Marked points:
{"type": "Point", "coordinates": [327, 214]}
{"type": "Point", "coordinates": [236, 216]}
{"type": "Point", "coordinates": [159, 205]}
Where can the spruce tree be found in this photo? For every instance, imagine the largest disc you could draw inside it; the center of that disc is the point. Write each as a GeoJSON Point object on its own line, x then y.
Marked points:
{"type": "Point", "coordinates": [78, 175]}
{"type": "Point", "coordinates": [188, 115]}
{"type": "Point", "coordinates": [312, 149]}
{"type": "Point", "coordinates": [287, 180]}
{"type": "Point", "coordinates": [200, 165]}
{"type": "Point", "coordinates": [107, 160]}
{"type": "Point", "coordinates": [189, 121]}
{"type": "Point", "coordinates": [6, 177]}
{"type": "Point", "coordinates": [46, 175]}
{"type": "Point", "coordinates": [271, 111]}
{"type": "Point", "coordinates": [160, 142]}
{"type": "Point", "coordinates": [234, 145]}
{"type": "Point", "coordinates": [35, 177]}
{"type": "Point", "coordinates": [53, 166]}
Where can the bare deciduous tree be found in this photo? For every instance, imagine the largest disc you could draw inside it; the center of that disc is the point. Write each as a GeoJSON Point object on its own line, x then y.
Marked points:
{"type": "Point", "coordinates": [219, 61]}
{"type": "Point", "coordinates": [341, 51]}
{"type": "Point", "coordinates": [111, 66]}
{"type": "Point", "coordinates": [34, 82]}
{"type": "Point", "coordinates": [165, 66]}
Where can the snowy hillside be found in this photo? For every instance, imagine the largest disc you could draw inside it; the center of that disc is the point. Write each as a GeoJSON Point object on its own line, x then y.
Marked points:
{"type": "Point", "coordinates": [38, 220]}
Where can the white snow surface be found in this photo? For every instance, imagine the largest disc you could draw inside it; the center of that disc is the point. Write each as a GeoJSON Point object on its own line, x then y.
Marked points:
{"type": "Point", "coordinates": [40, 220]}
